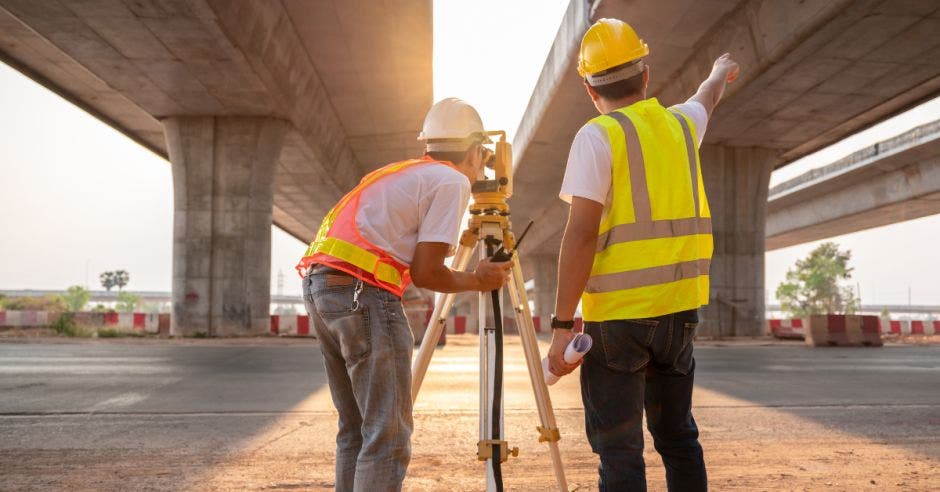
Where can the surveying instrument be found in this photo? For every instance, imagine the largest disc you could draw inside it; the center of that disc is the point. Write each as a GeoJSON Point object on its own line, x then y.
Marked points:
{"type": "Point", "coordinates": [489, 223]}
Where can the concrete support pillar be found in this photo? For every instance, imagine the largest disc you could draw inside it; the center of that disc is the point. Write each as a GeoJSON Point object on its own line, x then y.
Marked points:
{"type": "Point", "coordinates": [544, 273]}
{"type": "Point", "coordinates": [223, 174]}
{"type": "Point", "coordinates": [736, 182]}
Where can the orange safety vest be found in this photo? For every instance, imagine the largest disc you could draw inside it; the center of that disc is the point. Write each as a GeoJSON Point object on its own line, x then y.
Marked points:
{"type": "Point", "coordinates": [339, 244]}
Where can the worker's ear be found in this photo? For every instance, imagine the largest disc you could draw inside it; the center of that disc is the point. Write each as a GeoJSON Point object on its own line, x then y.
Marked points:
{"type": "Point", "coordinates": [646, 77]}
{"type": "Point", "coordinates": [591, 92]}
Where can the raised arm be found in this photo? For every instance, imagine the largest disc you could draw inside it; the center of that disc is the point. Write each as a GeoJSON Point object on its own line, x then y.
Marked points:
{"type": "Point", "coordinates": [724, 71]}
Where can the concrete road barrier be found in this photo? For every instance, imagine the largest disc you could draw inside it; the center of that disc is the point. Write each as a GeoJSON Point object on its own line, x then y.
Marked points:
{"type": "Point", "coordinates": [844, 330]}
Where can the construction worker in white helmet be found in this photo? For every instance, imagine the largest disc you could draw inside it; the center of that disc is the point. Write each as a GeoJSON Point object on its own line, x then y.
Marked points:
{"type": "Point", "coordinates": [396, 227]}
{"type": "Point", "coordinates": [636, 253]}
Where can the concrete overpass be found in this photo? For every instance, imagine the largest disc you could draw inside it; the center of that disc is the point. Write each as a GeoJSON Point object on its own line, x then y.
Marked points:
{"type": "Point", "coordinates": [891, 181]}
{"type": "Point", "coordinates": [268, 111]}
{"type": "Point", "coordinates": [813, 72]}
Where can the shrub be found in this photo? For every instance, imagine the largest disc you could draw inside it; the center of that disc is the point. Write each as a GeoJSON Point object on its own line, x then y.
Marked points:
{"type": "Point", "coordinates": [65, 325]}
{"type": "Point", "coordinates": [76, 297]}
{"type": "Point", "coordinates": [51, 302]}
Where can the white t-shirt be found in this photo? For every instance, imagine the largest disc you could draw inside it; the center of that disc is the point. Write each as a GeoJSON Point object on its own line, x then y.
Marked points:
{"type": "Point", "coordinates": [590, 163]}
{"type": "Point", "coordinates": [420, 204]}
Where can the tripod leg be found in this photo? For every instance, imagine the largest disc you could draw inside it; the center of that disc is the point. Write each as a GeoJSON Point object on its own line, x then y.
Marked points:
{"type": "Point", "coordinates": [549, 428]}
{"type": "Point", "coordinates": [436, 325]}
{"type": "Point", "coordinates": [491, 383]}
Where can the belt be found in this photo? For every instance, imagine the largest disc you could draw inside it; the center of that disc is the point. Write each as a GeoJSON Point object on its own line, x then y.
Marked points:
{"type": "Point", "coordinates": [318, 268]}
{"type": "Point", "coordinates": [334, 277]}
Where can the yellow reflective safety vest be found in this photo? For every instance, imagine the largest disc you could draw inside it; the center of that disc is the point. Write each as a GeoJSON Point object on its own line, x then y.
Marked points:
{"type": "Point", "coordinates": [340, 245]}
{"type": "Point", "coordinates": [655, 243]}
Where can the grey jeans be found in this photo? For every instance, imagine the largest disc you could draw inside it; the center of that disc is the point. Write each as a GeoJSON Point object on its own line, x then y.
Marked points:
{"type": "Point", "coordinates": [367, 346]}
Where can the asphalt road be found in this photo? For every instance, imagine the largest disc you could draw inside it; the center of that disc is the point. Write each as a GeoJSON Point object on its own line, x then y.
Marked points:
{"type": "Point", "coordinates": [256, 414]}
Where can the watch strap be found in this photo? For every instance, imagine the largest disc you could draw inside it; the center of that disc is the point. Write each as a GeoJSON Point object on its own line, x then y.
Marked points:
{"type": "Point", "coordinates": [567, 325]}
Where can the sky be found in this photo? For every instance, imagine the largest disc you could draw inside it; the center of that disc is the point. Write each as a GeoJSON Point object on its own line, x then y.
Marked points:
{"type": "Point", "coordinates": [79, 198]}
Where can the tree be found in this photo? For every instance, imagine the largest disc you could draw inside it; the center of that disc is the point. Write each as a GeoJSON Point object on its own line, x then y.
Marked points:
{"type": "Point", "coordinates": [121, 278]}
{"type": "Point", "coordinates": [812, 286]}
{"type": "Point", "coordinates": [126, 303]}
{"type": "Point", "coordinates": [116, 278]}
{"type": "Point", "coordinates": [76, 297]}
{"type": "Point", "coordinates": [107, 280]}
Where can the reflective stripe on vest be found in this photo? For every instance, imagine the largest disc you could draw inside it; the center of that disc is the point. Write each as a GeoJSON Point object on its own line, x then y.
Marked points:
{"type": "Point", "coordinates": [654, 249]}
{"type": "Point", "coordinates": [339, 244]}
{"type": "Point", "coordinates": [363, 259]}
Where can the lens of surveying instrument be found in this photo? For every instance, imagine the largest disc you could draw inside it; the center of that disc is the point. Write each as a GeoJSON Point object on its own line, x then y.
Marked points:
{"type": "Point", "coordinates": [489, 157]}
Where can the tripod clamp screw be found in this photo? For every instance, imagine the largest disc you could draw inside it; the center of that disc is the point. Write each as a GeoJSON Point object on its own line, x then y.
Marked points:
{"type": "Point", "coordinates": [548, 435]}
{"type": "Point", "coordinates": [485, 450]}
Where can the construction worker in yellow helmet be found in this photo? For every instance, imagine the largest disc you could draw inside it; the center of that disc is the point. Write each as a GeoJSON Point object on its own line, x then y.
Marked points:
{"type": "Point", "coordinates": [636, 253]}
{"type": "Point", "coordinates": [396, 227]}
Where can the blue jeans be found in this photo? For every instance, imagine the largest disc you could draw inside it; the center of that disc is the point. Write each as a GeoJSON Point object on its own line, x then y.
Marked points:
{"type": "Point", "coordinates": [637, 364]}
{"type": "Point", "coordinates": [366, 345]}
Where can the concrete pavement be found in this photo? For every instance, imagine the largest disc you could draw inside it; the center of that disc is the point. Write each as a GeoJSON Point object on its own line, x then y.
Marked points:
{"type": "Point", "coordinates": [256, 414]}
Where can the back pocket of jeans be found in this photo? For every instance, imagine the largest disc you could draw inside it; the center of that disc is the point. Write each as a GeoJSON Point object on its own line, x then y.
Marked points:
{"type": "Point", "coordinates": [625, 343]}
{"type": "Point", "coordinates": [683, 363]}
{"type": "Point", "coordinates": [334, 302]}
{"type": "Point", "coordinates": [354, 333]}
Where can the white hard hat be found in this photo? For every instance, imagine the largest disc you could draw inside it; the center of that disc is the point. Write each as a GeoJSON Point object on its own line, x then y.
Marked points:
{"type": "Point", "coordinates": [452, 125]}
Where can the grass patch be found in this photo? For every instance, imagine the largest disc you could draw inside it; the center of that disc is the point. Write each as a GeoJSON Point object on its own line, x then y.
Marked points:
{"type": "Point", "coordinates": [115, 333]}
{"type": "Point", "coordinates": [65, 325]}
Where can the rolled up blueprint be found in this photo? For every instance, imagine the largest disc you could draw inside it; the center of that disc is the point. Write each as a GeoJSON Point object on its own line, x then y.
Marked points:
{"type": "Point", "coordinates": [575, 350]}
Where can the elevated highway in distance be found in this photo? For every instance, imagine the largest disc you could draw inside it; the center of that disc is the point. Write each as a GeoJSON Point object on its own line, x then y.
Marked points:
{"type": "Point", "coordinates": [813, 72]}
{"type": "Point", "coordinates": [268, 112]}
{"type": "Point", "coordinates": [891, 181]}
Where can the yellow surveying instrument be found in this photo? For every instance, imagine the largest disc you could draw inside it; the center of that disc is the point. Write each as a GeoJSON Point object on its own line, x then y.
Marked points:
{"type": "Point", "coordinates": [489, 223]}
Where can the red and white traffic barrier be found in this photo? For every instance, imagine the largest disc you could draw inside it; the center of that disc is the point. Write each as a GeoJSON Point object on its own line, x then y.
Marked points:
{"type": "Point", "coordinates": [786, 328]}
{"type": "Point", "coordinates": [24, 319]}
{"type": "Point", "coordinates": [145, 322]}
{"type": "Point", "coordinates": [919, 327]}
{"type": "Point", "coordinates": [294, 325]}
{"type": "Point", "coordinates": [912, 327]}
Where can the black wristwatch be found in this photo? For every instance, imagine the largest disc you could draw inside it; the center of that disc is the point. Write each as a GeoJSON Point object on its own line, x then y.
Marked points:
{"type": "Point", "coordinates": [556, 323]}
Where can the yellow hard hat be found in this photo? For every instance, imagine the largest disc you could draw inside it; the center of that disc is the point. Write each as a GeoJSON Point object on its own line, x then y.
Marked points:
{"type": "Point", "coordinates": [607, 44]}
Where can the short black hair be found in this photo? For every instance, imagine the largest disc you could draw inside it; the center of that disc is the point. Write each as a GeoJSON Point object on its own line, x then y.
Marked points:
{"type": "Point", "coordinates": [454, 157]}
{"type": "Point", "coordinates": [621, 88]}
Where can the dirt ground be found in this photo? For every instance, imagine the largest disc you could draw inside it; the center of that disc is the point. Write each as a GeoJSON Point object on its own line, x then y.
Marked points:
{"type": "Point", "coordinates": [748, 446]}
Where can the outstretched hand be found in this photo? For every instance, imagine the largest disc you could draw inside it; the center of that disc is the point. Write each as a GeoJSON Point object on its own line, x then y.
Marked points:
{"type": "Point", "coordinates": [727, 67]}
